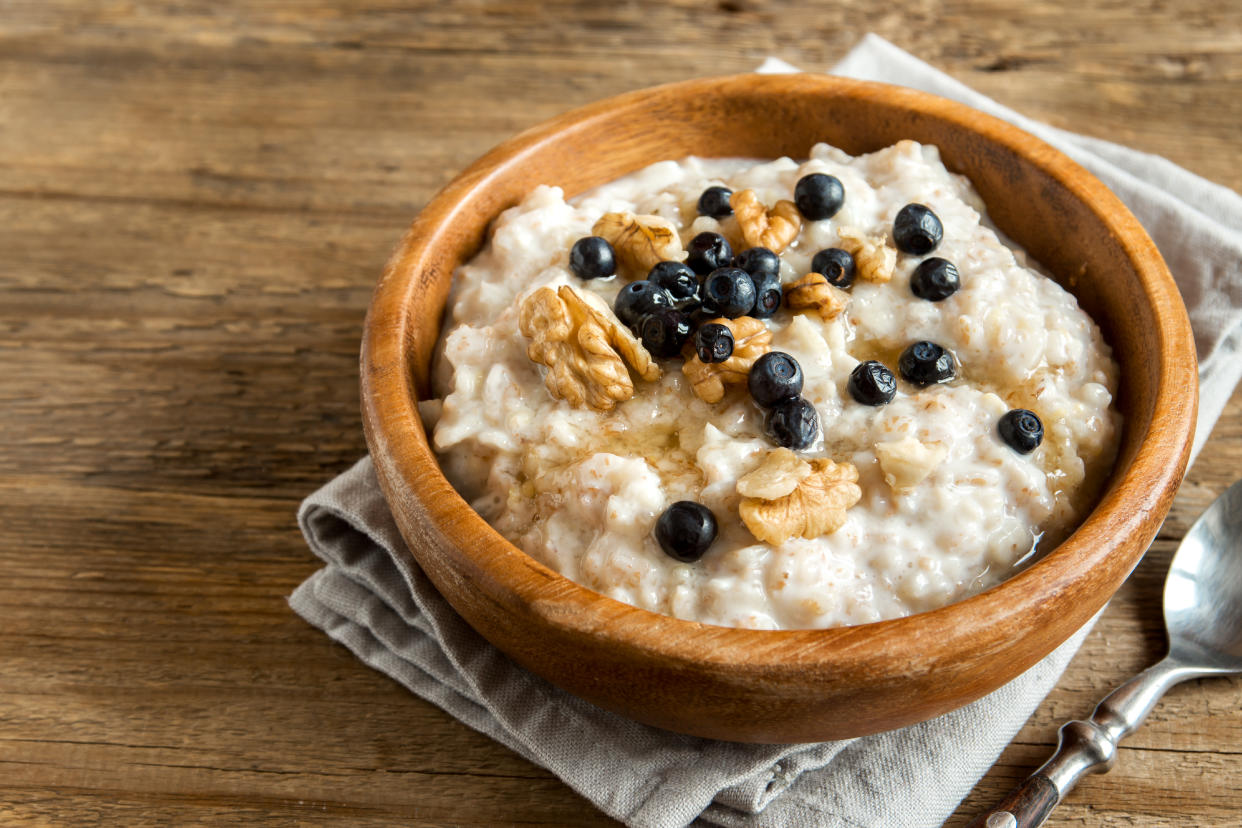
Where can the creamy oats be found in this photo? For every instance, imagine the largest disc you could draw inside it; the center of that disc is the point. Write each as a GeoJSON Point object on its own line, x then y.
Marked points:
{"type": "Point", "coordinates": [946, 507]}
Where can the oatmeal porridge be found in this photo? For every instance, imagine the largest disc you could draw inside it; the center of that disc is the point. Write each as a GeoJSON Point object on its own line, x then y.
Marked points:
{"type": "Point", "coordinates": [772, 395]}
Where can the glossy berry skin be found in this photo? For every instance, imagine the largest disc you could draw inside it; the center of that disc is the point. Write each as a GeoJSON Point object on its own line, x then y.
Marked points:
{"type": "Point", "coordinates": [872, 384]}
{"type": "Point", "coordinates": [686, 530]}
{"type": "Point", "coordinates": [637, 299]}
{"type": "Point", "coordinates": [592, 257]}
{"type": "Point", "coordinates": [764, 268]}
{"type": "Point", "coordinates": [707, 252]}
{"type": "Point", "coordinates": [768, 296]}
{"type": "Point", "coordinates": [819, 196]}
{"type": "Point", "coordinates": [681, 282]}
{"type": "Point", "coordinates": [792, 423]}
{"type": "Point", "coordinates": [917, 230]}
{"type": "Point", "coordinates": [714, 202]}
{"type": "Point", "coordinates": [664, 331]}
{"type": "Point", "coordinates": [758, 262]}
{"type": "Point", "coordinates": [926, 363]}
{"type": "Point", "coordinates": [935, 279]}
{"type": "Point", "coordinates": [713, 342]}
{"type": "Point", "coordinates": [728, 292]}
{"type": "Point", "coordinates": [775, 376]}
{"type": "Point", "coordinates": [837, 266]}
{"type": "Point", "coordinates": [1021, 430]}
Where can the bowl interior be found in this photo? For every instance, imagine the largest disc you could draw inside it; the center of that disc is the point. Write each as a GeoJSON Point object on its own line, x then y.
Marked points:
{"type": "Point", "coordinates": [892, 672]}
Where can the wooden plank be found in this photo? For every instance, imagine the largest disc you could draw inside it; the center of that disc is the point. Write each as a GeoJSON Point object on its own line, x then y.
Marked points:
{"type": "Point", "coordinates": [195, 201]}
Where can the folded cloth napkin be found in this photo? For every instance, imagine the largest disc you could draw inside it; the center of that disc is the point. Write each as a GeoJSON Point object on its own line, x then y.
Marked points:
{"type": "Point", "coordinates": [372, 597]}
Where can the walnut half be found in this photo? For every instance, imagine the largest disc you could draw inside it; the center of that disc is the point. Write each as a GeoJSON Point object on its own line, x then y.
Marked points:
{"type": "Point", "coordinates": [874, 260]}
{"type": "Point", "coordinates": [813, 292]}
{"type": "Point", "coordinates": [584, 347]}
{"type": "Point", "coordinates": [640, 242]}
{"type": "Point", "coordinates": [751, 340]}
{"type": "Point", "coordinates": [815, 505]}
{"type": "Point", "coordinates": [774, 229]}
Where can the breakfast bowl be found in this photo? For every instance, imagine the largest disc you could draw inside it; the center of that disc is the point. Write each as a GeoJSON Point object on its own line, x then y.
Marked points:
{"type": "Point", "coordinates": [794, 685]}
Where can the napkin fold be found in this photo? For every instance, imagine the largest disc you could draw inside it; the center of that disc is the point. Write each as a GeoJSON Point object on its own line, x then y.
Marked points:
{"type": "Point", "coordinates": [372, 597]}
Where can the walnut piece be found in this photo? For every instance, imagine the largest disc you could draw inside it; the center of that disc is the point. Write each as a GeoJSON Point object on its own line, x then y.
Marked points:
{"type": "Point", "coordinates": [774, 229]}
{"type": "Point", "coordinates": [908, 461]}
{"type": "Point", "coordinates": [813, 292]}
{"type": "Point", "coordinates": [640, 242]}
{"type": "Point", "coordinates": [874, 260]}
{"type": "Point", "coordinates": [815, 507]}
{"type": "Point", "coordinates": [779, 474]}
{"type": "Point", "coordinates": [751, 340]}
{"type": "Point", "coordinates": [584, 347]}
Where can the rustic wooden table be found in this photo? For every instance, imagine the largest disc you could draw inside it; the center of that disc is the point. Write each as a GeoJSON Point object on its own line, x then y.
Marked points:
{"type": "Point", "coordinates": [195, 201]}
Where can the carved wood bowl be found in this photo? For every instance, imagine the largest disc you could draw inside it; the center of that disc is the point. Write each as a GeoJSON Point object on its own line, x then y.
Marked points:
{"type": "Point", "coordinates": [802, 685]}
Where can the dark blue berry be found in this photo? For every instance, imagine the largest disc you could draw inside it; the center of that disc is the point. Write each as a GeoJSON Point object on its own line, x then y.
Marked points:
{"type": "Point", "coordinates": [708, 251]}
{"type": "Point", "coordinates": [792, 423]}
{"type": "Point", "coordinates": [592, 257]}
{"type": "Point", "coordinates": [917, 230]}
{"type": "Point", "coordinates": [935, 279]}
{"type": "Point", "coordinates": [819, 196]}
{"type": "Point", "coordinates": [637, 299]}
{"type": "Point", "coordinates": [764, 268]}
{"type": "Point", "coordinates": [1021, 430]}
{"type": "Point", "coordinates": [872, 384]}
{"type": "Point", "coordinates": [775, 376]}
{"type": "Point", "coordinates": [768, 297]}
{"type": "Point", "coordinates": [685, 530]}
{"type": "Point", "coordinates": [837, 266]}
{"type": "Point", "coordinates": [758, 262]}
{"type": "Point", "coordinates": [926, 363]}
{"type": "Point", "coordinates": [728, 291]}
{"type": "Point", "coordinates": [714, 202]}
{"type": "Point", "coordinates": [664, 331]}
{"type": "Point", "coordinates": [681, 282]}
{"type": "Point", "coordinates": [713, 342]}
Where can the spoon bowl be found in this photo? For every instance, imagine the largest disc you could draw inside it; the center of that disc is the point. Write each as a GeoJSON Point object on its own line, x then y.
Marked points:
{"type": "Point", "coordinates": [1203, 593]}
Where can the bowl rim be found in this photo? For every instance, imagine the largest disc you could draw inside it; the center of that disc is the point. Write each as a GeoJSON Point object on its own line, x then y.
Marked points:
{"type": "Point", "coordinates": [1146, 487]}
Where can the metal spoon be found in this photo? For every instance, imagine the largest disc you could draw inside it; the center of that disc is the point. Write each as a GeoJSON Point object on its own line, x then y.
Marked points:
{"type": "Point", "coordinates": [1203, 616]}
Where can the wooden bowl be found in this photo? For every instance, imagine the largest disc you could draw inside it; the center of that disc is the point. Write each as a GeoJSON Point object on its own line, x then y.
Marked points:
{"type": "Point", "coordinates": [802, 685]}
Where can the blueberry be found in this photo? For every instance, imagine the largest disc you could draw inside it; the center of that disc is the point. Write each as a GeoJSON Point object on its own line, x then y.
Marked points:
{"type": "Point", "coordinates": [764, 268]}
{"type": "Point", "coordinates": [708, 251]}
{"type": "Point", "coordinates": [681, 282]}
{"type": "Point", "coordinates": [685, 530]}
{"type": "Point", "coordinates": [792, 423]}
{"type": "Point", "coordinates": [926, 363]}
{"type": "Point", "coordinates": [637, 299]}
{"type": "Point", "coordinates": [872, 384]}
{"type": "Point", "coordinates": [664, 331]}
{"type": "Point", "coordinates": [768, 295]}
{"type": "Point", "coordinates": [819, 196]}
{"type": "Point", "coordinates": [837, 266]}
{"type": "Point", "coordinates": [1021, 430]}
{"type": "Point", "coordinates": [935, 279]}
{"type": "Point", "coordinates": [758, 262]}
{"type": "Point", "coordinates": [917, 230]}
{"type": "Point", "coordinates": [591, 257]}
{"type": "Point", "coordinates": [775, 376]}
{"type": "Point", "coordinates": [713, 342]}
{"type": "Point", "coordinates": [714, 202]}
{"type": "Point", "coordinates": [728, 291]}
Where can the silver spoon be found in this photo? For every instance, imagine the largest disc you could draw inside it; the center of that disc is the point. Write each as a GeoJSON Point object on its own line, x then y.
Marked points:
{"type": "Point", "coordinates": [1203, 616]}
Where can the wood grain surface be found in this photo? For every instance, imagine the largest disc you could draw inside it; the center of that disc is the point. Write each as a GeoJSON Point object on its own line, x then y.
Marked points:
{"type": "Point", "coordinates": [195, 202]}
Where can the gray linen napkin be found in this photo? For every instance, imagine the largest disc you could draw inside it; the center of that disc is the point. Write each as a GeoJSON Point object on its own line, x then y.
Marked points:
{"type": "Point", "coordinates": [372, 597]}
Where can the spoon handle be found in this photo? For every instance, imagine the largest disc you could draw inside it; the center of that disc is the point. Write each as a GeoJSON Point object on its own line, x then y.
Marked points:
{"type": "Point", "coordinates": [1085, 747]}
